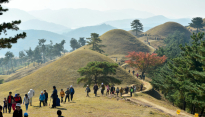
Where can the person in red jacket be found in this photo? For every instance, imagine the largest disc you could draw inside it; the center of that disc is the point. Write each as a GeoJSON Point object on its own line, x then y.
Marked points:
{"type": "Point", "coordinates": [9, 99]}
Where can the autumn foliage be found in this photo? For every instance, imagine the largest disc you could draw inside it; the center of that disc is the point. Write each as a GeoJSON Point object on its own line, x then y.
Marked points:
{"type": "Point", "coordinates": [143, 61]}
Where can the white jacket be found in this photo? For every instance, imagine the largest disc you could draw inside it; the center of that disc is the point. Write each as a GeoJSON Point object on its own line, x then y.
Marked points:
{"type": "Point", "coordinates": [31, 93]}
{"type": "Point", "coordinates": [26, 100]}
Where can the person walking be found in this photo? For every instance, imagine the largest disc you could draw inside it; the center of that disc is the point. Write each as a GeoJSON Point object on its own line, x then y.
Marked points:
{"type": "Point", "coordinates": [67, 94]}
{"type": "Point", "coordinates": [72, 91]}
{"type": "Point", "coordinates": [127, 89]}
{"type": "Point", "coordinates": [131, 91]}
{"type": "Point", "coordinates": [121, 91]}
{"type": "Point", "coordinates": [117, 90]}
{"type": "Point", "coordinates": [20, 101]}
{"type": "Point", "coordinates": [87, 90]}
{"type": "Point", "coordinates": [5, 105]}
{"type": "Point", "coordinates": [108, 89]}
{"type": "Point", "coordinates": [54, 96]}
{"type": "Point", "coordinates": [16, 99]}
{"type": "Point", "coordinates": [9, 99]}
{"type": "Point", "coordinates": [46, 97]}
{"type": "Point", "coordinates": [95, 88]}
{"type": "Point", "coordinates": [42, 98]}
{"type": "Point", "coordinates": [102, 88]}
{"type": "Point", "coordinates": [112, 89]}
{"type": "Point", "coordinates": [133, 72]}
{"type": "Point", "coordinates": [1, 114]}
{"type": "Point", "coordinates": [18, 112]}
{"type": "Point", "coordinates": [62, 94]}
{"type": "Point", "coordinates": [26, 100]}
{"type": "Point", "coordinates": [137, 75]}
{"type": "Point", "coordinates": [141, 86]}
{"type": "Point", "coordinates": [30, 95]}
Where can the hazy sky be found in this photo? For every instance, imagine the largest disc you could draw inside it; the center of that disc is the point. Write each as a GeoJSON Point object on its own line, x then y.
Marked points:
{"type": "Point", "coordinates": [169, 8]}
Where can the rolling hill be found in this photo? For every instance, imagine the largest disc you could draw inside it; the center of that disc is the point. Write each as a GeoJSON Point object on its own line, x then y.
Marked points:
{"type": "Point", "coordinates": [36, 24]}
{"type": "Point", "coordinates": [32, 40]}
{"type": "Point", "coordinates": [168, 28]}
{"type": "Point", "coordinates": [86, 31]}
{"type": "Point", "coordinates": [121, 42]}
{"type": "Point", "coordinates": [62, 73]}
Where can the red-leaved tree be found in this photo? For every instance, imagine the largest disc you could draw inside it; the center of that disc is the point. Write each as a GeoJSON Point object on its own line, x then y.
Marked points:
{"type": "Point", "coordinates": [143, 61]}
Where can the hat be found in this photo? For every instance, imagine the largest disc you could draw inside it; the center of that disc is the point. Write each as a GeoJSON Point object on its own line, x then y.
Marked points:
{"type": "Point", "coordinates": [71, 86]}
{"type": "Point", "coordinates": [102, 83]}
{"type": "Point", "coordinates": [87, 85]}
{"type": "Point", "coordinates": [41, 91]}
{"type": "Point", "coordinates": [18, 104]}
{"type": "Point", "coordinates": [25, 114]}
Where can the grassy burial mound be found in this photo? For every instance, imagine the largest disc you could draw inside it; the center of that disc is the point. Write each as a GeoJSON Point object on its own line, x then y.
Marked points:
{"type": "Point", "coordinates": [121, 42]}
{"type": "Point", "coordinates": [62, 73]}
{"type": "Point", "coordinates": [168, 28]}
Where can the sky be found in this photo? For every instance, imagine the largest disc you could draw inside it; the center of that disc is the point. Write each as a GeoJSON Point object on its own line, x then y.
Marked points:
{"type": "Point", "coordinates": [168, 8]}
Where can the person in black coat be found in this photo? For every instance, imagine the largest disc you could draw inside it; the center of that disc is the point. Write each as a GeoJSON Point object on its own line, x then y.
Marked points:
{"type": "Point", "coordinates": [46, 99]}
{"type": "Point", "coordinates": [54, 96]}
{"type": "Point", "coordinates": [18, 112]}
{"type": "Point", "coordinates": [95, 88]}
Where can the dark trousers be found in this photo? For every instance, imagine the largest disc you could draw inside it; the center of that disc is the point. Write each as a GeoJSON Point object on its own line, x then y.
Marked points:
{"type": "Point", "coordinates": [102, 91]}
{"type": "Point", "coordinates": [54, 103]}
{"type": "Point", "coordinates": [131, 94]}
{"type": "Point", "coordinates": [43, 103]}
{"type": "Point", "coordinates": [117, 93]}
{"type": "Point", "coordinates": [88, 93]}
{"type": "Point", "coordinates": [9, 107]}
{"type": "Point", "coordinates": [95, 91]}
{"type": "Point", "coordinates": [71, 96]}
{"type": "Point", "coordinates": [61, 99]}
{"type": "Point", "coordinates": [67, 96]}
{"type": "Point", "coordinates": [46, 101]}
{"type": "Point", "coordinates": [5, 107]}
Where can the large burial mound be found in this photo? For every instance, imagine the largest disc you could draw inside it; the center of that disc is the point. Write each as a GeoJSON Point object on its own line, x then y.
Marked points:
{"type": "Point", "coordinates": [168, 28]}
{"type": "Point", "coordinates": [62, 73]}
{"type": "Point", "coordinates": [121, 42]}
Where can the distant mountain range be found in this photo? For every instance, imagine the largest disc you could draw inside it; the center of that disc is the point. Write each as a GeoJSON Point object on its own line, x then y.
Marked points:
{"type": "Point", "coordinates": [86, 31]}
{"type": "Point", "coordinates": [43, 25]}
{"type": "Point", "coordinates": [32, 40]}
{"type": "Point", "coordinates": [148, 23]}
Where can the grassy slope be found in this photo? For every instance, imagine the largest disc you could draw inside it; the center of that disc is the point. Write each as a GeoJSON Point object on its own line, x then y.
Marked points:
{"type": "Point", "coordinates": [62, 73]}
{"type": "Point", "coordinates": [168, 28]}
{"type": "Point", "coordinates": [121, 42]}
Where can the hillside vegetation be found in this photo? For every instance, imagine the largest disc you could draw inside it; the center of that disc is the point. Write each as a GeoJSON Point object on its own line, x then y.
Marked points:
{"type": "Point", "coordinates": [121, 42]}
{"type": "Point", "coordinates": [62, 73]}
{"type": "Point", "coordinates": [168, 28]}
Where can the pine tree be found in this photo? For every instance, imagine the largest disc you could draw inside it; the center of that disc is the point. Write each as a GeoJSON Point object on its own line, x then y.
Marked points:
{"type": "Point", "coordinates": [94, 40]}
{"type": "Point", "coordinates": [137, 26]}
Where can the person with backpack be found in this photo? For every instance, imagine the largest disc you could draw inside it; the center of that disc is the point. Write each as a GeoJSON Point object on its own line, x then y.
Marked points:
{"type": "Point", "coordinates": [26, 100]}
{"type": "Point", "coordinates": [72, 91]}
{"type": "Point", "coordinates": [62, 94]}
{"type": "Point", "coordinates": [131, 91]}
{"type": "Point", "coordinates": [5, 105]}
{"type": "Point", "coordinates": [54, 96]}
{"type": "Point", "coordinates": [117, 90]}
{"type": "Point", "coordinates": [112, 91]}
{"type": "Point", "coordinates": [121, 91]}
{"type": "Point", "coordinates": [16, 99]}
{"type": "Point", "coordinates": [46, 95]}
{"type": "Point", "coordinates": [67, 94]}
{"type": "Point", "coordinates": [42, 98]}
{"type": "Point", "coordinates": [87, 90]}
{"type": "Point", "coordinates": [95, 88]}
{"type": "Point", "coordinates": [108, 89]}
{"type": "Point", "coordinates": [18, 112]}
{"type": "Point", "coordinates": [30, 95]}
{"type": "Point", "coordinates": [20, 98]}
{"type": "Point", "coordinates": [9, 99]}
{"type": "Point", "coordinates": [102, 88]}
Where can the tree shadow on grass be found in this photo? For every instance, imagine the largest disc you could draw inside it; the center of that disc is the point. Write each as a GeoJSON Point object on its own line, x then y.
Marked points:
{"type": "Point", "coordinates": [61, 108]}
{"type": "Point", "coordinates": [154, 94]}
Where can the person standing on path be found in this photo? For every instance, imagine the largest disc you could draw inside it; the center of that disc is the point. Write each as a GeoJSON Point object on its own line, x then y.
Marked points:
{"type": "Point", "coordinates": [129, 71]}
{"type": "Point", "coordinates": [137, 75]}
{"type": "Point", "coordinates": [141, 87]}
{"type": "Point", "coordinates": [18, 112]}
{"type": "Point", "coordinates": [46, 95]}
{"type": "Point", "coordinates": [112, 91]}
{"type": "Point", "coordinates": [133, 72]}
{"type": "Point", "coordinates": [95, 88]}
{"type": "Point", "coordinates": [87, 90]}
{"type": "Point", "coordinates": [102, 88]}
{"type": "Point", "coordinates": [62, 94]}
{"type": "Point", "coordinates": [26, 100]}
{"type": "Point", "coordinates": [131, 91]}
{"type": "Point", "coordinates": [9, 99]}
{"type": "Point", "coordinates": [5, 105]}
{"type": "Point", "coordinates": [121, 91]}
{"type": "Point", "coordinates": [30, 95]}
{"type": "Point", "coordinates": [67, 94]}
{"type": "Point", "coordinates": [117, 90]}
{"type": "Point", "coordinates": [42, 98]}
{"type": "Point", "coordinates": [72, 91]}
{"type": "Point", "coordinates": [54, 96]}
{"type": "Point", "coordinates": [108, 89]}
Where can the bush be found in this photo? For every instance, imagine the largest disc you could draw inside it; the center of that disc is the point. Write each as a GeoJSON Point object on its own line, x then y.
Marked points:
{"type": "Point", "coordinates": [1, 81]}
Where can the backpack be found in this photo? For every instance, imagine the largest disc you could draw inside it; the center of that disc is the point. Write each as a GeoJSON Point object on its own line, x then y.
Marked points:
{"type": "Point", "coordinates": [89, 90]}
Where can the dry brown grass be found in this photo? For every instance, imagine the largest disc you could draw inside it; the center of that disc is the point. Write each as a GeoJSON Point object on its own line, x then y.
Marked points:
{"type": "Point", "coordinates": [168, 28]}
{"type": "Point", "coordinates": [121, 42]}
